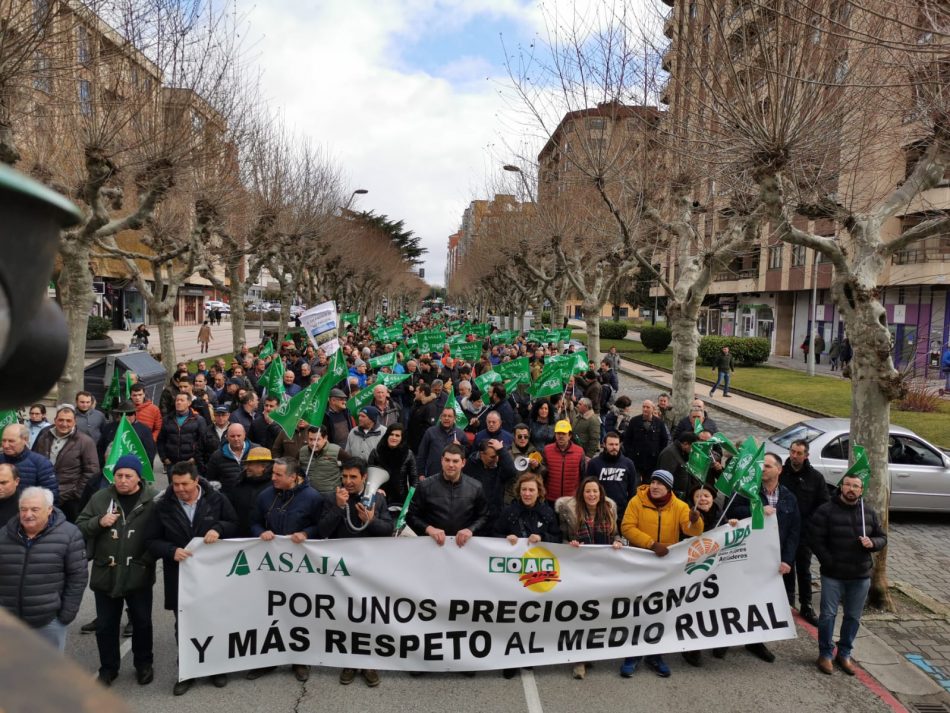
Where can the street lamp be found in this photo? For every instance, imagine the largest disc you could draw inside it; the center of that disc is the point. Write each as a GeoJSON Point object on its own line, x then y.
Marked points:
{"type": "Point", "coordinates": [357, 192]}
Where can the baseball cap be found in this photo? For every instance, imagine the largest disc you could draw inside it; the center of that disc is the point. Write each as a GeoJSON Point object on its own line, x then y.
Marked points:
{"type": "Point", "coordinates": [221, 409]}
{"type": "Point", "coordinates": [562, 426]}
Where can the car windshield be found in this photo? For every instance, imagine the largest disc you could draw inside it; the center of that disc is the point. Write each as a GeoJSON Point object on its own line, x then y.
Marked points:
{"type": "Point", "coordinates": [798, 432]}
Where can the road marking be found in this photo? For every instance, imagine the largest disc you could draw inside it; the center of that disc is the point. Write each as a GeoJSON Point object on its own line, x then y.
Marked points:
{"type": "Point", "coordinates": [531, 697]}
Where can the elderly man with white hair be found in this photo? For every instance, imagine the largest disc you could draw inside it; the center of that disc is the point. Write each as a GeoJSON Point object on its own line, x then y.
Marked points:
{"type": "Point", "coordinates": [42, 566]}
{"type": "Point", "coordinates": [33, 468]}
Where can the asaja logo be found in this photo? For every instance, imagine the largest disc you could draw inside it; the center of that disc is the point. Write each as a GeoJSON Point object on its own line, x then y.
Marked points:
{"type": "Point", "coordinates": [288, 562]}
{"type": "Point", "coordinates": [537, 569]}
{"type": "Point", "coordinates": [701, 555]}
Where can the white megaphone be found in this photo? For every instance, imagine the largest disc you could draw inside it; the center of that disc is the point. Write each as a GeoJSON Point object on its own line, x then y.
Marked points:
{"type": "Point", "coordinates": [521, 463]}
{"type": "Point", "coordinates": [374, 481]}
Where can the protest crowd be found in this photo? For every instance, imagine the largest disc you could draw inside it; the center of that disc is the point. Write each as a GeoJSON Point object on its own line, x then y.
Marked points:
{"type": "Point", "coordinates": [481, 432]}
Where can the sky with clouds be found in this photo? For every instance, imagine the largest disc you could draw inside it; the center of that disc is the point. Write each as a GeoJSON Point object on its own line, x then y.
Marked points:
{"type": "Point", "coordinates": [406, 95]}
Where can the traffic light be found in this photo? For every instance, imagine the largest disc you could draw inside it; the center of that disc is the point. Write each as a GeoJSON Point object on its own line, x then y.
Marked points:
{"type": "Point", "coordinates": [34, 340]}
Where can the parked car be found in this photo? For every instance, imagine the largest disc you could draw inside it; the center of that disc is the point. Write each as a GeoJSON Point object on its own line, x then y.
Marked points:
{"type": "Point", "coordinates": [214, 304]}
{"type": "Point", "coordinates": [919, 471]}
{"type": "Point", "coordinates": [296, 310]}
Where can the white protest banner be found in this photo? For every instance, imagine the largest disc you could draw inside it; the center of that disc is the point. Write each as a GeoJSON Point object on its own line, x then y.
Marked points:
{"type": "Point", "coordinates": [390, 603]}
{"type": "Point", "coordinates": [322, 324]}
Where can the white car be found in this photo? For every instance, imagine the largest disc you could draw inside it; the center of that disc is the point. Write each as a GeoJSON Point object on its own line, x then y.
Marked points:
{"type": "Point", "coordinates": [214, 304]}
{"type": "Point", "coordinates": [919, 471]}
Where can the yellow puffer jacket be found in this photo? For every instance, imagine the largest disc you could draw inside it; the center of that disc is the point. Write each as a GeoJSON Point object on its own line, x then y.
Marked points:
{"type": "Point", "coordinates": [643, 524]}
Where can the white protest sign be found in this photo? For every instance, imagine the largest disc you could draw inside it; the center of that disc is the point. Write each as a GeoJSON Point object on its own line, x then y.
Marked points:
{"type": "Point", "coordinates": [400, 604]}
{"type": "Point", "coordinates": [322, 324]}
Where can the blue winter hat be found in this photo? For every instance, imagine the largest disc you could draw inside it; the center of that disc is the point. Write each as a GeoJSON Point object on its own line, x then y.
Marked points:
{"type": "Point", "coordinates": [664, 476]}
{"type": "Point", "coordinates": [129, 461]}
{"type": "Point", "coordinates": [372, 412]}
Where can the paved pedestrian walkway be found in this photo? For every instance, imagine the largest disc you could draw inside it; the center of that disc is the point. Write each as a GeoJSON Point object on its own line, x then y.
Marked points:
{"type": "Point", "coordinates": [187, 347]}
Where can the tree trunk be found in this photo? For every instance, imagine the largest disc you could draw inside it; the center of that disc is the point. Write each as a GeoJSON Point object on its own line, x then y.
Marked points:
{"type": "Point", "coordinates": [874, 383]}
{"type": "Point", "coordinates": [592, 322]}
{"type": "Point", "coordinates": [75, 288]}
{"type": "Point", "coordinates": [682, 324]}
{"type": "Point", "coordinates": [238, 313]}
{"type": "Point", "coordinates": [285, 297]}
{"type": "Point", "coordinates": [164, 316]}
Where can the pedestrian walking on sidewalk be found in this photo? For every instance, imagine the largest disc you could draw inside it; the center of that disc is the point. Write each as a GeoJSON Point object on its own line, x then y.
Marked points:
{"type": "Point", "coordinates": [843, 534]}
{"type": "Point", "coordinates": [204, 336]}
{"type": "Point", "coordinates": [724, 366]}
{"type": "Point", "coordinates": [804, 348]}
{"type": "Point", "coordinates": [834, 353]}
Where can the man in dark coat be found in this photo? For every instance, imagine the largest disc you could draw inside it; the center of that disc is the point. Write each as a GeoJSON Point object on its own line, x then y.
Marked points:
{"type": "Point", "coordinates": [42, 567]}
{"type": "Point", "coordinates": [74, 458]}
{"type": "Point", "coordinates": [181, 433]}
{"type": "Point", "coordinates": [189, 508]}
{"type": "Point", "coordinates": [843, 534]}
{"type": "Point", "coordinates": [809, 488]}
{"type": "Point", "coordinates": [32, 468]}
{"type": "Point", "coordinates": [493, 467]}
{"type": "Point", "coordinates": [127, 409]}
{"type": "Point", "coordinates": [227, 463]}
{"type": "Point", "coordinates": [644, 438]}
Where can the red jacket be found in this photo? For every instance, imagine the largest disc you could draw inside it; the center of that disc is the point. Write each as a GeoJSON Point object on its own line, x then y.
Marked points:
{"type": "Point", "coordinates": [148, 414]}
{"type": "Point", "coordinates": [565, 470]}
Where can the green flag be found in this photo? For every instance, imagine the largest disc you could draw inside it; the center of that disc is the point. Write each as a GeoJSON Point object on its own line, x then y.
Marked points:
{"type": "Point", "coordinates": [113, 394]}
{"type": "Point", "coordinates": [729, 475]}
{"type": "Point", "coordinates": [382, 360]}
{"type": "Point", "coordinates": [350, 318]}
{"type": "Point", "coordinates": [127, 386]}
{"type": "Point", "coordinates": [401, 518]}
{"type": "Point", "coordinates": [8, 418]}
{"type": "Point", "coordinates": [580, 363]}
{"type": "Point", "coordinates": [266, 350]}
{"type": "Point", "coordinates": [469, 351]}
{"type": "Point", "coordinates": [273, 379]}
{"type": "Point", "coordinates": [698, 426]}
{"type": "Point", "coordinates": [293, 410]}
{"type": "Point", "coordinates": [358, 400]}
{"type": "Point", "coordinates": [461, 420]}
{"type": "Point", "coordinates": [483, 381]}
{"type": "Point", "coordinates": [550, 382]}
{"type": "Point", "coordinates": [749, 483]}
{"type": "Point", "coordinates": [127, 442]}
{"type": "Point", "coordinates": [861, 467]}
{"type": "Point", "coordinates": [699, 460]}
{"type": "Point", "coordinates": [390, 380]}
{"type": "Point", "coordinates": [455, 339]}
{"type": "Point", "coordinates": [518, 370]}
{"type": "Point", "coordinates": [726, 444]}
{"type": "Point", "coordinates": [481, 330]}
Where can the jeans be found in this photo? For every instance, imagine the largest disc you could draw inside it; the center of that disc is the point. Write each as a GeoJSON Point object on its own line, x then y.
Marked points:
{"type": "Point", "coordinates": [852, 593]}
{"type": "Point", "coordinates": [801, 573]}
{"type": "Point", "coordinates": [108, 623]}
{"type": "Point", "coordinates": [722, 378]}
{"type": "Point", "coordinates": [54, 633]}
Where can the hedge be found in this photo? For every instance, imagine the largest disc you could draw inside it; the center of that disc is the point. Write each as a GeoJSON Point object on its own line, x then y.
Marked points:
{"type": "Point", "coordinates": [613, 330]}
{"type": "Point", "coordinates": [98, 328]}
{"type": "Point", "coordinates": [656, 339]}
{"type": "Point", "coordinates": [748, 351]}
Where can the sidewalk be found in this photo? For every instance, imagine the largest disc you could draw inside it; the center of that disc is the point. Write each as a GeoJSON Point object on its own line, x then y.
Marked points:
{"type": "Point", "coordinates": [910, 654]}
{"type": "Point", "coordinates": [186, 339]}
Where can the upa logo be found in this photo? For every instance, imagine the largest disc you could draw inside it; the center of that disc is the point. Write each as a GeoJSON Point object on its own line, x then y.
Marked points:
{"type": "Point", "coordinates": [701, 555]}
{"type": "Point", "coordinates": [538, 569]}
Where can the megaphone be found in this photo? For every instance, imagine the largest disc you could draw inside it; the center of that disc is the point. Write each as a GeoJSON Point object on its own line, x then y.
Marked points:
{"type": "Point", "coordinates": [521, 463]}
{"type": "Point", "coordinates": [374, 481]}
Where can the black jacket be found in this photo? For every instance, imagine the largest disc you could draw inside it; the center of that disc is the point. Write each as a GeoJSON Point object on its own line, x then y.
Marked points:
{"type": "Point", "coordinates": [335, 523]}
{"type": "Point", "coordinates": [643, 441]}
{"type": "Point", "coordinates": [807, 485]}
{"type": "Point", "coordinates": [686, 426]}
{"type": "Point", "coordinates": [177, 443]}
{"type": "Point", "coordinates": [168, 529]}
{"type": "Point", "coordinates": [516, 519]}
{"type": "Point", "coordinates": [449, 506]}
{"type": "Point", "coordinates": [263, 432]}
{"type": "Point", "coordinates": [44, 581]}
{"type": "Point", "coordinates": [224, 468]}
{"type": "Point", "coordinates": [833, 534]}
{"type": "Point", "coordinates": [244, 499]}
{"type": "Point", "coordinates": [210, 443]}
{"type": "Point", "coordinates": [402, 475]}
{"type": "Point", "coordinates": [493, 480]}
{"type": "Point", "coordinates": [789, 521]}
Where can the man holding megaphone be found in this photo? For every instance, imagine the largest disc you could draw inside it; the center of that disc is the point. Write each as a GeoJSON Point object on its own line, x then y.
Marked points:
{"type": "Point", "coordinates": [360, 512]}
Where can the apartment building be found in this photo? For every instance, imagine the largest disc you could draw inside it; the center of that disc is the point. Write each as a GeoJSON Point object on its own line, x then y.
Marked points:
{"type": "Point", "coordinates": [779, 291]}
{"type": "Point", "coordinates": [88, 83]}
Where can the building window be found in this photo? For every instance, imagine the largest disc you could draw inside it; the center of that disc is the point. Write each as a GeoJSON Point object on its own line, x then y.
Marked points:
{"type": "Point", "coordinates": [798, 255]}
{"type": "Point", "coordinates": [901, 295]}
{"type": "Point", "coordinates": [85, 97]}
{"type": "Point", "coordinates": [42, 78]}
{"type": "Point", "coordinates": [41, 15]}
{"type": "Point", "coordinates": [775, 257]}
{"type": "Point", "coordinates": [596, 123]}
{"type": "Point", "coordinates": [82, 43]}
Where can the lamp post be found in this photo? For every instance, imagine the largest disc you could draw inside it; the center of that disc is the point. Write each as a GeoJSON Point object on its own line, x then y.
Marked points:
{"type": "Point", "coordinates": [357, 192]}
{"type": "Point", "coordinates": [814, 313]}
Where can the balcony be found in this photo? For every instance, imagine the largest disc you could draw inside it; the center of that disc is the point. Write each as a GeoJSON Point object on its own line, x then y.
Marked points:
{"type": "Point", "coordinates": [668, 23]}
{"type": "Point", "coordinates": [667, 61]}
{"type": "Point", "coordinates": [750, 273]}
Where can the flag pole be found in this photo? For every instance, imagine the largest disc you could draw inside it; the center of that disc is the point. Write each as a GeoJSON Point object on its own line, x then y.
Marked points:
{"type": "Point", "coordinates": [722, 517]}
{"type": "Point", "coordinates": [863, 529]}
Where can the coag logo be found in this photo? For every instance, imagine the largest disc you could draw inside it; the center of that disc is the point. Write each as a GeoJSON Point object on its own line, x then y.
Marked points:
{"type": "Point", "coordinates": [537, 569]}
{"type": "Point", "coordinates": [701, 555]}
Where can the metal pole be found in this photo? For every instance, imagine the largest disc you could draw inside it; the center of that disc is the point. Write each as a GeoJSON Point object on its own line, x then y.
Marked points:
{"type": "Point", "coordinates": [814, 311]}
